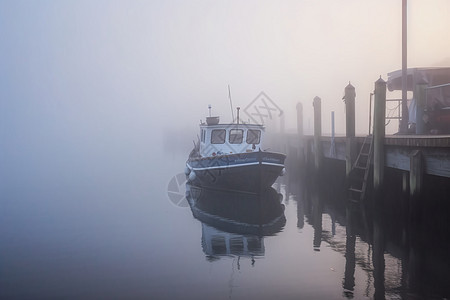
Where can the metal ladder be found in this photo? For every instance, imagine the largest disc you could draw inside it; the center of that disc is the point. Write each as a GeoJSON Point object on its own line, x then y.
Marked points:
{"type": "Point", "coordinates": [360, 171]}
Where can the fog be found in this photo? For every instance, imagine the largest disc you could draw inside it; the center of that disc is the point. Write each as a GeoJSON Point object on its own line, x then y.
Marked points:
{"type": "Point", "coordinates": [102, 81]}
{"type": "Point", "coordinates": [100, 102]}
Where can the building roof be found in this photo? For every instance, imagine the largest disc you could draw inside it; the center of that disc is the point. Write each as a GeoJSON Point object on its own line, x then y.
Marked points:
{"type": "Point", "coordinates": [433, 76]}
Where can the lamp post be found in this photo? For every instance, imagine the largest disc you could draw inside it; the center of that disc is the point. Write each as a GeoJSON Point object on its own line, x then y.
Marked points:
{"type": "Point", "coordinates": [403, 126]}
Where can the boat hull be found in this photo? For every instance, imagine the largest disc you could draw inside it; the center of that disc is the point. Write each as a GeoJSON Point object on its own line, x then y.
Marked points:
{"type": "Point", "coordinates": [251, 172]}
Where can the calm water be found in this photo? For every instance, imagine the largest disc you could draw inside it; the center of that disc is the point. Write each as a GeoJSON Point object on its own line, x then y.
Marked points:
{"type": "Point", "coordinates": [114, 232]}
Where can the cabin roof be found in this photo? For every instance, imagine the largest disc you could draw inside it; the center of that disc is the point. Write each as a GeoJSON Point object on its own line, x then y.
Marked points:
{"type": "Point", "coordinates": [232, 125]}
{"type": "Point", "coordinates": [433, 76]}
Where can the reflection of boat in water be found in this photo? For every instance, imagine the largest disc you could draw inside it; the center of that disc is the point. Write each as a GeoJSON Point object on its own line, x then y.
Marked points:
{"type": "Point", "coordinates": [218, 243]}
{"type": "Point", "coordinates": [236, 212]}
{"type": "Point", "coordinates": [234, 223]}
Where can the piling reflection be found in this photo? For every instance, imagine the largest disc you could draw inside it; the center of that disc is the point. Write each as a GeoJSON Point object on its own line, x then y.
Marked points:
{"type": "Point", "coordinates": [400, 244]}
{"type": "Point", "coordinates": [378, 248]}
{"type": "Point", "coordinates": [235, 223]}
{"type": "Point", "coordinates": [350, 258]}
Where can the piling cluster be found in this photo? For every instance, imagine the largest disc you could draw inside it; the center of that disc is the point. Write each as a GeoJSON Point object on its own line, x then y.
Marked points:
{"type": "Point", "coordinates": [313, 152]}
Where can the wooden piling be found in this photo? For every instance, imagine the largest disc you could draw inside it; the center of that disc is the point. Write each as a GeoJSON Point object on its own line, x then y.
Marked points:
{"type": "Point", "coordinates": [333, 145]}
{"type": "Point", "coordinates": [405, 182]}
{"type": "Point", "coordinates": [299, 119]}
{"type": "Point", "coordinates": [416, 173]}
{"type": "Point", "coordinates": [379, 133]}
{"type": "Point", "coordinates": [300, 142]}
{"type": "Point", "coordinates": [350, 152]}
{"type": "Point", "coordinates": [309, 159]}
{"type": "Point", "coordinates": [419, 95]}
{"type": "Point", "coordinates": [349, 98]}
{"type": "Point", "coordinates": [317, 132]}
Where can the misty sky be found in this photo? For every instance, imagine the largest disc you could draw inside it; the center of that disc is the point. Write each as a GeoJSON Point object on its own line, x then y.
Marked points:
{"type": "Point", "coordinates": [80, 79]}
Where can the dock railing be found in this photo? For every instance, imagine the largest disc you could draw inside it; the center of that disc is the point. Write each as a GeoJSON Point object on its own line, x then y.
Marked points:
{"type": "Point", "coordinates": [390, 113]}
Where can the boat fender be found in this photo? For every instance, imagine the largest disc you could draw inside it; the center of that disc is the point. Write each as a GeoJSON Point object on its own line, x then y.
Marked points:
{"type": "Point", "coordinates": [282, 172]}
{"type": "Point", "coordinates": [187, 170]}
{"type": "Point", "coordinates": [192, 176]}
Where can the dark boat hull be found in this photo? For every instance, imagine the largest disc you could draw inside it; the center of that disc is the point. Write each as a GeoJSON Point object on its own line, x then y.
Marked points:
{"type": "Point", "coordinates": [251, 172]}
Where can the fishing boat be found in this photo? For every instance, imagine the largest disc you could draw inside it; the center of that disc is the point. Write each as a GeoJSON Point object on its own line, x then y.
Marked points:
{"type": "Point", "coordinates": [231, 156]}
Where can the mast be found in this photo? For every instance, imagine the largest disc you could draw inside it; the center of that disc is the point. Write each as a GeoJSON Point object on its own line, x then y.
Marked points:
{"type": "Point", "coordinates": [231, 104]}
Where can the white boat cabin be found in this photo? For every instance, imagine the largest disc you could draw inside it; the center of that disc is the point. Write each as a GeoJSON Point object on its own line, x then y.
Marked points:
{"type": "Point", "coordinates": [222, 139]}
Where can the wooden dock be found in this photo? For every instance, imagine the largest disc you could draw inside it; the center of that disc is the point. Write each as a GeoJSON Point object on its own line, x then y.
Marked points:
{"type": "Point", "coordinates": [415, 155]}
{"type": "Point", "coordinates": [398, 150]}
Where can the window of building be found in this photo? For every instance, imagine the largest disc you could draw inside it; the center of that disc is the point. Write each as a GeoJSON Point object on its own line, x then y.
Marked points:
{"type": "Point", "coordinates": [253, 136]}
{"type": "Point", "coordinates": [218, 136]}
{"type": "Point", "coordinates": [236, 136]}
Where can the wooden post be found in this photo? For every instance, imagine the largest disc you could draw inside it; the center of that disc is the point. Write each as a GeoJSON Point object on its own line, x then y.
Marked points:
{"type": "Point", "coordinates": [370, 113]}
{"type": "Point", "coordinates": [332, 124]}
{"type": "Point", "coordinates": [405, 182]}
{"type": "Point", "coordinates": [333, 145]}
{"type": "Point", "coordinates": [416, 173]}
{"type": "Point", "coordinates": [350, 154]}
{"type": "Point", "coordinates": [317, 132]}
{"type": "Point", "coordinates": [299, 119]}
{"type": "Point", "coordinates": [416, 170]}
{"type": "Point", "coordinates": [308, 153]}
{"type": "Point", "coordinates": [300, 141]}
{"type": "Point", "coordinates": [350, 147]}
{"type": "Point", "coordinates": [349, 98]}
{"type": "Point", "coordinates": [379, 131]}
{"type": "Point", "coordinates": [419, 95]}
{"type": "Point", "coordinates": [416, 219]}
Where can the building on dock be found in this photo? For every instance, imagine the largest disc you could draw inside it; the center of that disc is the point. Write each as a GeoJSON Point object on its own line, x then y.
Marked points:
{"type": "Point", "coordinates": [429, 107]}
{"type": "Point", "coordinates": [425, 149]}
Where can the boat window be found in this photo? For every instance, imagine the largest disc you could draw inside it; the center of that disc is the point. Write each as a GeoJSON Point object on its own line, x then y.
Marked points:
{"type": "Point", "coordinates": [218, 136]}
{"type": "Point", "coordinates": [203, 135]}
{"type": "Point", "coordinates": [236, 136]}
{"type": "Point", "coordinates": [253, 136]}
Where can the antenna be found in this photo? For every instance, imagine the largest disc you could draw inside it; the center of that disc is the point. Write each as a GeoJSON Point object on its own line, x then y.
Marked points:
{"type": "Point", "coordinates": [231, 104]}
{"type": "Point", "coordinates": [209, 107]}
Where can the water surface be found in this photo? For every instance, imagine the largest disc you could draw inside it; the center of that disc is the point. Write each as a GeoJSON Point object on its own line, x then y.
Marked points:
{"type": "Point", "coordinates": [112, 231]}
